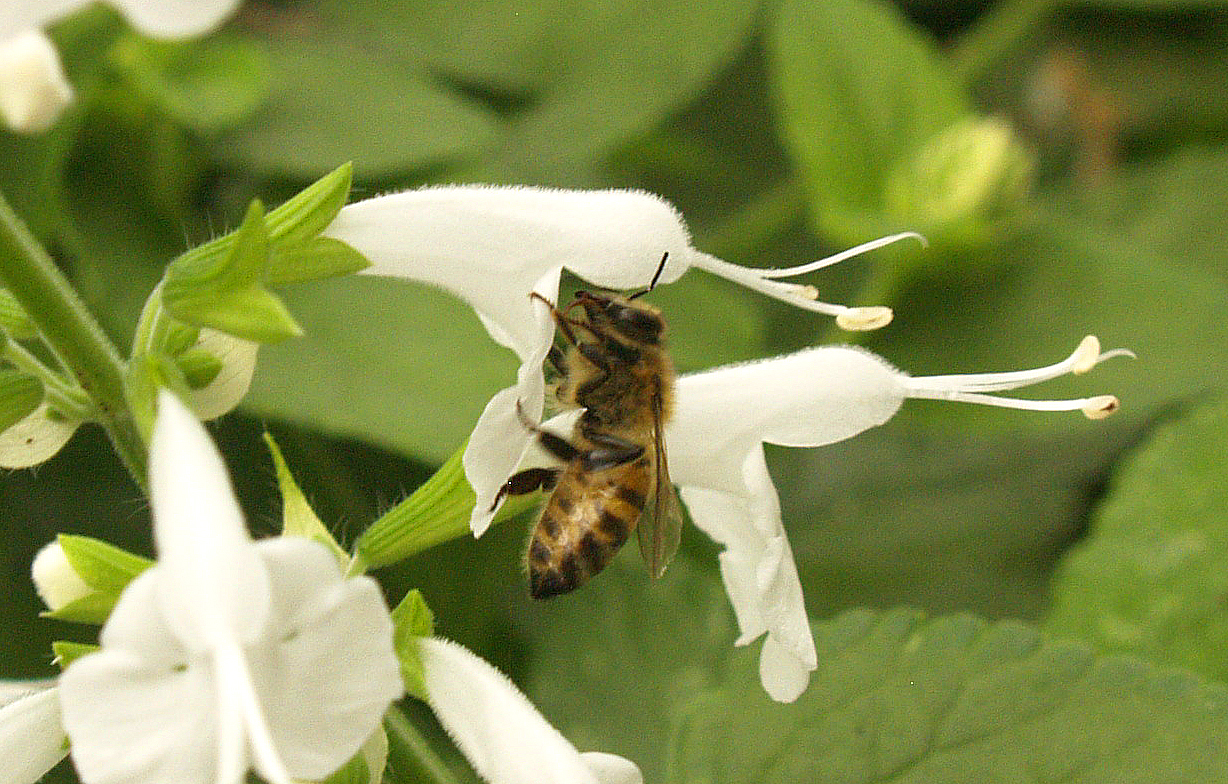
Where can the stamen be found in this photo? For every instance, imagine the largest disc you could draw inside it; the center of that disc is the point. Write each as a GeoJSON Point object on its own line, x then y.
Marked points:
{"type": "Point", "coordinates": [1084, 358]}
{"type": "Point", "coordinates": [971, 388]}
{"type": "Point", "coordinates": [803, 295]}
{"type": "Point", "coordinates": [836, 258]}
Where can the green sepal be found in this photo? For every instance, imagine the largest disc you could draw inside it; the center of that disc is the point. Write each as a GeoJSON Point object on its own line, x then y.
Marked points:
{"type": "Point", "coordinates": [309, 212]}
{"type": "Point", "coordinates": [436, 512]}
{"type": "Point", "coordinates": [226, 290]}
{"type": "Point", "coordinates": [179, 337]}
{"type": "Point", "coordinates": [313, 259]}
{"type": "Point", "coordinates": [101, 565]}
{"type": "Point", "coordinates": [411, 620]}
{"type": "Point", "coordinates": [20, 394]}
{"type": "Point", "coordinates": [298, 518]}
{"type": "Point", "coordinates": [13, 318]}
{"type": "Point", "coordinates": [198, 366]}
{"type": "Point", "coordinates": [67, 652]}
{"type": "Point", "coordinates": [94, 609]}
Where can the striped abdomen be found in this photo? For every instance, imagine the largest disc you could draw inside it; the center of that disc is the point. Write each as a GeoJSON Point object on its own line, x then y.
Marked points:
{"type": "Point", "coordinates": [588, 517]}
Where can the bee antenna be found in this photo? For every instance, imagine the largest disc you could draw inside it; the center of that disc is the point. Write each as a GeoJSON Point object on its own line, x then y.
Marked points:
{"type": "Point", "coordinates": [652, 284]}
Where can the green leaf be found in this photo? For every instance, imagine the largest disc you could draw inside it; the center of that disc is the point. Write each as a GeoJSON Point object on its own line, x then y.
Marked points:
{"type": "Point", "coordinates": [13, 319]}
{"type": "Point", "coordinates": [914, 513]}
{"type": "Point", "coordinates": [391, 115]}
{"type": "Point", "coordinates": [1152, 574]}
{"type": "Point", "coordinates": [207, 84]}
{"type": "Point", "coordinates": [898, 698]}
{"type": "Point", "coordinates": [19, 395]}
{"type": "Point", "coordinates": [298, 518]}
{"type": "Point", "coordinates": [411, 620]}
{"type": "Point", "coordinates": [860, 92]}
{"type": "Point", "coordinates": [102, 566]}
{"type": "Point", "coordinates": [313, 259]}
{"type": "Point", "coordinates": [67, 652]}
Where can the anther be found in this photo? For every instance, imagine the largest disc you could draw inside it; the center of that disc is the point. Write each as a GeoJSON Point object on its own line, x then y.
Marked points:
{"type": "Point", "coordinates": [865, 319]}
{"type": "Point", "coordinates": [1101, 406]}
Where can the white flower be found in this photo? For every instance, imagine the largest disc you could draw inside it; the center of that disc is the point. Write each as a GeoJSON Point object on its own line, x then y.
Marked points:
{"type": "Point", "coordinates": [33, 88]}
{"type": "Point", "coordinates": [227, 653]}
{"type": "Point", "coordinates": [493, 246]}
{"type": "Point", "coordinates": [814, 397]}
{"type": "Point", "coordinates": [31, 740]}
{"type": "Point", "coordinates": [504, 737]}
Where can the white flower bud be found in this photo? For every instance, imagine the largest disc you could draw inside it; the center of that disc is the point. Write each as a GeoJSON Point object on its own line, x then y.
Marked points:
{"type": "Point", "coordinates": [57, 583]}
{"type": "Point", "coordinates": [33, 89]}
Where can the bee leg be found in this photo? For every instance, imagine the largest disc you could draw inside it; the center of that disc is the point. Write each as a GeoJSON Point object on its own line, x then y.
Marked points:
{"type": "Point", "coordinates": [612, 451]}
{"type": "Point", "coordinates": [557, 360]}
{"type": "Point", "coordinates": [560, 320]}
{"type": "Point", "coordinates": [526, 482]}
{"type": "Point", "coordinates": [556, 445]}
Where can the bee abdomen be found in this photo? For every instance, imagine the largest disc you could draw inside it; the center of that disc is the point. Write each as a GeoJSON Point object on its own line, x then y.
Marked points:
{"type": "Point", "coordinates": [578, 535]}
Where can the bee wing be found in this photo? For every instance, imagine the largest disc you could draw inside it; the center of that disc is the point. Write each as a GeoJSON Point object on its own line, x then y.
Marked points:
{"type": "Point", "coordinates": [660, 526]}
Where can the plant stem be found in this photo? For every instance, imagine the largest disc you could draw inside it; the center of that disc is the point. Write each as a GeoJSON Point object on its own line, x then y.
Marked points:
{"type": "Point", "coordinates": [72, 334]}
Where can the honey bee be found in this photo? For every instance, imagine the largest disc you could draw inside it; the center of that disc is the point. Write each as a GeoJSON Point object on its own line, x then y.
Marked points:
{"type": "Point", "coordinates": [615, 477]}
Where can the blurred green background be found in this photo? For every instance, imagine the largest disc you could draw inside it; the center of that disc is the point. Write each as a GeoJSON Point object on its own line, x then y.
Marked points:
{"type": "Point", "coordinates": [1067, 161]}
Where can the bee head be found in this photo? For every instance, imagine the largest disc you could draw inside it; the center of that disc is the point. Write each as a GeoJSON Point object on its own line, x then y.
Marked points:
{"type": "Point", "coordinates": [636, 322]}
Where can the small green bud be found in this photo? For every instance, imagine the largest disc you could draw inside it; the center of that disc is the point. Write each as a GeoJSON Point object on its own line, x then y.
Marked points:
{"type": "Point", "coordinates": [80, 578]}
{"type": "Point", "coordinates": [964, 185]}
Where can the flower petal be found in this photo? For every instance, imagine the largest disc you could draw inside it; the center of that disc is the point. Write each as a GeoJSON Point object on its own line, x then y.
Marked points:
{"type": "Point", "coordinates": [784, 676]}
{"type": "Point", "coordinates": [504, 737]}
{"type": "Point", "coordinates": [35, 439]}
{"type": "Point", "coordinates": [31, 740]}
{"type": "Point", "coordinates": [759, 573]}
{"type": "Point", "coordinates": [20, 15]}
{"type": "Point", "coordinates": [137, 721]}
{"type": "Point", "coordinates": [611, 768]}
{"type": "Point", "coordinates": [176, 18]}
{"type": "Point", "coordinates": [213, 589]}
{"type": "Point", "coordinates": [33, 88]}
{"type": "Point", "coordinates": [813, 397]}
{"type": "Point", "coordinates": [223, 393]}
{"type": "Point", "coordinates": [329, 671]}
{"type": "Point", "coordinates": [56, 582]}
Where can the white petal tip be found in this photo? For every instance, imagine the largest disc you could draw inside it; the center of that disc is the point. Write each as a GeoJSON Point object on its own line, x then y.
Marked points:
{"type": "Point", "coordinates": [865, 319]}
{"type": "Point", "coordinates": [1101, 406]}
{"type": "Point", "coordinates": [55, 580]}
{"type": "Point", "coordinates": [611, 768]}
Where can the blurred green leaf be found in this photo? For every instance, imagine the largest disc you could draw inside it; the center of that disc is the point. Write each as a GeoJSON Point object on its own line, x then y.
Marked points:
{"type": "Point", "coordinates": [946, 521]}
{"type": "Point", "coordinates": [1174, 207]}
{"type": "Point", "coordinates": [901, 699]}
{"type": "Point", "coordinates": [13, 319]}
{"type": "Point", "coordinates": [68, 652]}
{"type": "Point", "coordinates": [389, 114]}
{"type": "Point", "coordinates": [206, 85]}
{"type": "Point", "coordinates": [1152, 576]}
{"type": "Point", "coordinates": [860, 92]}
